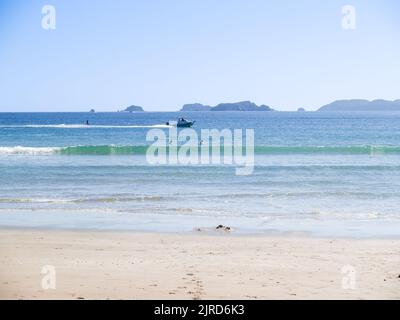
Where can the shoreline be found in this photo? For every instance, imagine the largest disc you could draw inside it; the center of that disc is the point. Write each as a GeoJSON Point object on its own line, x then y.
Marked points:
{"type": "Point", "coordinates": [205, 232]}
{"type": "Point", "coordinates": [107, 264]}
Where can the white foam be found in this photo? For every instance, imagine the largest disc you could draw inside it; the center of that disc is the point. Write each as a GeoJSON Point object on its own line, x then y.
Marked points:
{"type": "Point", "coordinates": [33, 200]}
{"type": "Point", "coordinates": [84, 126]}
{"type": "Point", "coordinates": [29, 150]}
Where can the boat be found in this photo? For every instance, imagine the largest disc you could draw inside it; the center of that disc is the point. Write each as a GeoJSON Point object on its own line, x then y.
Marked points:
{"type": "Point", "coordinates": [181, 123]}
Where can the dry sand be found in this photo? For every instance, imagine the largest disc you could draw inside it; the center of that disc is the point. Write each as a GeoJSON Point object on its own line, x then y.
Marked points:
{"type": "Point", "coordinates": [111, 265]}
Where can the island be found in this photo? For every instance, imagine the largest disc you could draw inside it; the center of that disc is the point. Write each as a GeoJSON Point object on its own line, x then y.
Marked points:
{"type": "Point", "coordinates": [235, 106]}
{"type": "Point", "coordinates": [195, 107]}
{"type": "Point", "coordinates": [92, 111]}
{"type": "Point", "coordinates": [134, 109]}
{"type": "Point", "coordinates": [241, 106]}
{"type": "Point", "coordinates": [355, 105]}
{"type": "Point", "coordinates": [361, 105]}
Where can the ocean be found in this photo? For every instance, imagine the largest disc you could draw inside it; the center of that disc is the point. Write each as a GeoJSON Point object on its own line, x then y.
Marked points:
{"type": "Point", "coordinates": [318, 173]}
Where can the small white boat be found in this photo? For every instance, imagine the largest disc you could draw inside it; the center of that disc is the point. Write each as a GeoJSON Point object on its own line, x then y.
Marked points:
{"type": "Point", "coordinates": [181, 123]}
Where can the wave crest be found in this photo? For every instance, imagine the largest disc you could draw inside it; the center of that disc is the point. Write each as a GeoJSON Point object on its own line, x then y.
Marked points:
{"type": "Point", "coordinates": [29, 150]}
{"type": "Point", "coordinates": [142, 149]}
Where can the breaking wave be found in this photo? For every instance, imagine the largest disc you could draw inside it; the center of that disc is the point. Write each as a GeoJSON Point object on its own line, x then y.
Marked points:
{"type": "Point", "coordinates": [141, 149]}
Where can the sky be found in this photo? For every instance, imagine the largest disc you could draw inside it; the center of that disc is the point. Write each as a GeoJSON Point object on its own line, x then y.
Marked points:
{"type": "Point", "coordinates": [161, 54]}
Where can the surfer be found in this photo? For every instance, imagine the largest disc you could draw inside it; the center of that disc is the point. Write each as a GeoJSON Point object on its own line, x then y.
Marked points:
{"type": "Point", "coordinates": [87, 122]}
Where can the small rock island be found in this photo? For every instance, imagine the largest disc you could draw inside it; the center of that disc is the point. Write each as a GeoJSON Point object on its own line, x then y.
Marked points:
{"type": "Point", "coordinates": [134, 109]}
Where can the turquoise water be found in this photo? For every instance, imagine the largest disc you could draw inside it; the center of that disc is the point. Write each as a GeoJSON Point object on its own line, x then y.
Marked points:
{"type": "Point", "coordinates": [326, 174]}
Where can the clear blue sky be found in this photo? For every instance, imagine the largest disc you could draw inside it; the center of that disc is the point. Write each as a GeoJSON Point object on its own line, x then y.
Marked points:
{"type": "Point", "coordinates": [162, 54]}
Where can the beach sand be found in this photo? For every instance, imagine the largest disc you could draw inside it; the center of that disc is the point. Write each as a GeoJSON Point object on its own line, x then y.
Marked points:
{"type": "Point", "coordinates": [128, 265]}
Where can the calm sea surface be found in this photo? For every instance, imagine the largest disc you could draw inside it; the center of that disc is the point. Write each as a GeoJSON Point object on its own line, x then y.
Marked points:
{"type": "Point", "coordinates": [323, 173]}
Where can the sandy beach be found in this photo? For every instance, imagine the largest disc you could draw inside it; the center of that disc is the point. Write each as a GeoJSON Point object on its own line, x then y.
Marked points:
{"type": "Point", "coordinates": [125, 265]}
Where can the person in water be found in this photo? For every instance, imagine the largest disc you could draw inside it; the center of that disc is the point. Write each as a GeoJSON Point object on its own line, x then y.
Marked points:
{"type": "Point", "coordinates": [87, 122]}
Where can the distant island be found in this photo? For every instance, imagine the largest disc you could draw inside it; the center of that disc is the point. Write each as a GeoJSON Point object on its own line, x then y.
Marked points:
{"type": "Point", "coordinates": [134, 109]}
{"type": "Point", "coordinates": [195, 107]}
{"type": "Point", "coordinates": [355, 105]}
{"type": "Point", "coordinates": [361, 105]}
{"type": "Point", "coordinates": [235, 106]}
{"type": "Point", "coordinates": [241, 106]}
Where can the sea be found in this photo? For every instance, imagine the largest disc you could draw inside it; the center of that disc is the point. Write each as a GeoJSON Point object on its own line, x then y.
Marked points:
{"type": "Point", "coordinates": [315, 173]}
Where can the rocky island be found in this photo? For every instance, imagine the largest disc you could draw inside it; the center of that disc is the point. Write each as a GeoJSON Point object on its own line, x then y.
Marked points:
{"type": "Point", "coordinates": [195, 107]}
{"type": "Point", "coordinates": [134, 109]}
{"type": "Point", "coordinates": [241, 106]}
{"type": "Point", "coordinates": [235, 106]}
{"type": "Point", "coordinates": [361, 105]}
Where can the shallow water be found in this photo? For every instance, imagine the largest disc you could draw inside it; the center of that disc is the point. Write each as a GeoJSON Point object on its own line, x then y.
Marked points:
{"type": "Point", "coordinates": [328, 174]}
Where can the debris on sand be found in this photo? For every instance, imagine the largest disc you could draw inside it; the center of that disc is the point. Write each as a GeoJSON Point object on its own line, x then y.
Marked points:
{"type": "Point", "coordinates": [218, 228]}
{"type": "Point", "coordinates": [224, 228]}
